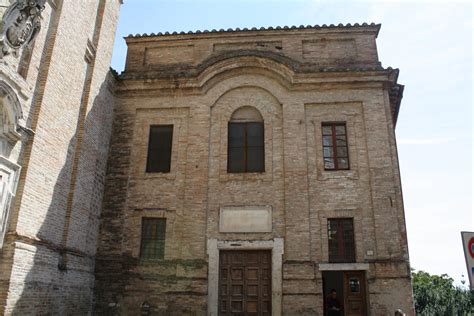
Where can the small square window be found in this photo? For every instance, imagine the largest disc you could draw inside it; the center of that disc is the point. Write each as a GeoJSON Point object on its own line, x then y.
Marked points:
{"type": "Point", "coordinates": [335, 147]}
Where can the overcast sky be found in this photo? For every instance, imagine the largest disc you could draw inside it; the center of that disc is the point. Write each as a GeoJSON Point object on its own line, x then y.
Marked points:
{"type": "Point", "coordinates": [431, 43]}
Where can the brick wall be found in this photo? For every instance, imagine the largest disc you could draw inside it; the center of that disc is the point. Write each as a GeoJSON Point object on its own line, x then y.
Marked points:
{"type": "Point", "coordinates": [49, 255]}
{"type": "Point", "coordinates": [296, 79]}
{"type": "Point", "coordinates": [333, 46]}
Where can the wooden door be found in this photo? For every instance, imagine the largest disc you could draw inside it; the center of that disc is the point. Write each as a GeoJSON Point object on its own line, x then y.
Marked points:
{"type": "Point", "coordinates": [245, 283]}
{"type": "Point", "coordinates": [354, 293]}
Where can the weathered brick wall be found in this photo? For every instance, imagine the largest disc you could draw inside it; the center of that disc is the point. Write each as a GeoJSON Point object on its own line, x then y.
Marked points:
{"type": "Point", "coordinates": [296, 79]}
{"type": "Point", "coordinates": [328, 46]}
{"type": "Point", "coordinates": [48, 260]}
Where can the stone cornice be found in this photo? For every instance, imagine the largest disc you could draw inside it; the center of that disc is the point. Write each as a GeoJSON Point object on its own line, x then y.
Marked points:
{"type": "Point", "coordinates": [188, 70]}
{"type": "Point", "coordinates": [290, 73]}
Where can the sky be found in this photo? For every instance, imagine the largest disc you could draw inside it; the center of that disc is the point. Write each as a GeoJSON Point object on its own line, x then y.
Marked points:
{"type": "Point", "coordinates": [431, 42]}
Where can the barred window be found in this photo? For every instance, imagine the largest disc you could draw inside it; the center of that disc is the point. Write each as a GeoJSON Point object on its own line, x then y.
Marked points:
{"type": "Point", "coordinates": [341, 240]}
{"type": "Point", "coordinates": [159, 148]}
{"type": "Point", "coordinates": [335, 149]}
{"type": "Point", "coordinates": [153, 238]}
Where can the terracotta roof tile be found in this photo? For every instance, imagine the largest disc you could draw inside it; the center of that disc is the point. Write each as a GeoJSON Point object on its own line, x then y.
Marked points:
{"type": "Point", "coordinates": [324, 26]}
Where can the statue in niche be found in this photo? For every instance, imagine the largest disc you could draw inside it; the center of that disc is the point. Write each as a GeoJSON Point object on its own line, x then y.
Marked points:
{"type": "Point", "coordinates": [20, 25]}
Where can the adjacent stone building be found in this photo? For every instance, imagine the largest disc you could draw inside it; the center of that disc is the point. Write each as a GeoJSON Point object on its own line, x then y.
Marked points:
{"type": "Point", "coordinates": [238, 172]}
{"type": "Point", "coordinates": [57, 109]}
{"type": "Point", "coordinates": [251, 172]}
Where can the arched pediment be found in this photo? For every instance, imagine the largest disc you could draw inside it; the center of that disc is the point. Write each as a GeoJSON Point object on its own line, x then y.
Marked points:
{"type": "Point", "coordinates": [268, 64]}
{"type": "Point", "coordinates": [246, 113]}
{"type": "Point", "coordinates": [9, 97]}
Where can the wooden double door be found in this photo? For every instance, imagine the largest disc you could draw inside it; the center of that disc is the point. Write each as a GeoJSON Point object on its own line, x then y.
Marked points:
{"type": "Point", "coordinates": [245, 283]}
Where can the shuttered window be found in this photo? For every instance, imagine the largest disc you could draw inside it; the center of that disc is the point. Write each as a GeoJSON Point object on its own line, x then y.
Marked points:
{"type": "Point", "coordinates": [246, 147]}
{"type": "Point", "coordinates": [153, 238]}
{"type": "Point", "coordinates": [341, 240]}
{"type": "Point", "coordinates": [159, 148]}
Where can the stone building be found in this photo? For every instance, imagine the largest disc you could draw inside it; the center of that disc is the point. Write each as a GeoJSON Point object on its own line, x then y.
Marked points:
{"type": "Point", "coordinates": [57, 110]}
{"type": "Point", "coordinates": [224, 172]}
{"type": "Point", "coordinates": [251, 172]}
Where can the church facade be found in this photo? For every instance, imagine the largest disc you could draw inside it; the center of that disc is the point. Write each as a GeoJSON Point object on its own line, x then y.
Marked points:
{"type": "Point", "coordinates": [230, 172]}
{"type": "Point", "coordinates": [57, 108]}
{"type": "Point", "coordinates": [252, 171]}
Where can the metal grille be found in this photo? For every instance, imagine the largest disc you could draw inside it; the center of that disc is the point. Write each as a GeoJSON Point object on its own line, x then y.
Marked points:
{"type": "Point", "coordinates": [153, 238]}
{"type": "Point", "coordinates": [341, 240]}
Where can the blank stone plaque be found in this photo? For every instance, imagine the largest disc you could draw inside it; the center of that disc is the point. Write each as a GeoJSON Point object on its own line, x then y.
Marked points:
{"type": "Point", "coordinates": [246, 219]}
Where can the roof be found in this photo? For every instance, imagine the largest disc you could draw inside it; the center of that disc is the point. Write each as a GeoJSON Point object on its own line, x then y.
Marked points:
{"type": "Point", "coordinates": [253, 29]}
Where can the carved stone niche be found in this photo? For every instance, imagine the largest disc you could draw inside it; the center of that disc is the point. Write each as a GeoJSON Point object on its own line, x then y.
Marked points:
{"type": "Point", "coordinates": [10, 115]}
{"type": "Point", "coordinates": [10, 133]}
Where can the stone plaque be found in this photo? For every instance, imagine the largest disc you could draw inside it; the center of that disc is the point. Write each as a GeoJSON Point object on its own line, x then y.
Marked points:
{"type": "Point", "coordinates": [246, 219]}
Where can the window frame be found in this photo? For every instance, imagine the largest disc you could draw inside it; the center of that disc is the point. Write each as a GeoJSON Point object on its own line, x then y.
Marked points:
{"type": "Point", "coordinates": [344, 254]}
{"type": "Point", "coordinates": [334, 147]}
{"type": "Point", "coordinates": [246, 147]}
{"type": "Point", "coordinates": [159, 169]}
{"type": "Point", "coordinates": [143, 240]}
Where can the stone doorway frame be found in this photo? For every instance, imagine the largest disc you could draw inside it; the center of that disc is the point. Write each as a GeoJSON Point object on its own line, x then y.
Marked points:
{"type": "Point", "coordinates": [214, 246]}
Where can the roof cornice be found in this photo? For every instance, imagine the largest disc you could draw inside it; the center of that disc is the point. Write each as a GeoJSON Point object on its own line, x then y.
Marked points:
{"type": "Point", "coordinates": [182, 35]}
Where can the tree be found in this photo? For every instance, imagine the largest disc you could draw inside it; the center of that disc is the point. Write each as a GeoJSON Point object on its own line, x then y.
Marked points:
{"type": "Point", "coordinates": [437, 295]}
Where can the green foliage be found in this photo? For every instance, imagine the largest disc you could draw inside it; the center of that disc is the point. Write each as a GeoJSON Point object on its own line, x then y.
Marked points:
{"type": "Point", "coordinates": [437, 295]}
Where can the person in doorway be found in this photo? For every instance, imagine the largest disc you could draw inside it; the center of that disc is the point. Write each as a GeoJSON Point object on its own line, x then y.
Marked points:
{"type": "Point", "coordinates": [333, 305]}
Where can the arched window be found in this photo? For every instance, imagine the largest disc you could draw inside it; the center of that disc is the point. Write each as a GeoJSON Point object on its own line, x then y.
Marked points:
{"type": "Point", "coordinates": [245, 151]}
